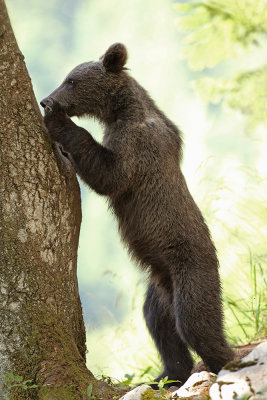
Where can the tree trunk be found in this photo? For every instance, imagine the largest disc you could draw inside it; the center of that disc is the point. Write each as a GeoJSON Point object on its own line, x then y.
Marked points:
{"type": "Point", "coordinates": [42, 335]}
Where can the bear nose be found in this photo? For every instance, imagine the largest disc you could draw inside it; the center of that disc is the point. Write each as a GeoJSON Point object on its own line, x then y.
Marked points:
{"type": "Point", "coordinates": [43, 103]}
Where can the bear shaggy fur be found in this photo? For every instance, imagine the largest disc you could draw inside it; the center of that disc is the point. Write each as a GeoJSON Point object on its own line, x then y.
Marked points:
{"type": "Point", "coordinates": [137, 167]}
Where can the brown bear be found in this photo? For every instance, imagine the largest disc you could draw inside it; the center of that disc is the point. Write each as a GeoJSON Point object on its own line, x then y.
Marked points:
{"type": "Point", "coordinates": [137, 167]}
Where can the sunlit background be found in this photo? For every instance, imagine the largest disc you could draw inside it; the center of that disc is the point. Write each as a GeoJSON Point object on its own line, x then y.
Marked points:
{"type": "Point", "coordinates": [206, 68]}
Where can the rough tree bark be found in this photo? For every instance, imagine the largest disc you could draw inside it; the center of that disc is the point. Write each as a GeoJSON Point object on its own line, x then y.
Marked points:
{"type": "Point", "coordinates": [42, 335]}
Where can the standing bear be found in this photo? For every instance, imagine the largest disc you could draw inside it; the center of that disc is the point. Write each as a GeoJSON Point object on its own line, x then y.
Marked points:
{"type": "Point", "coordinates": [137, 167]}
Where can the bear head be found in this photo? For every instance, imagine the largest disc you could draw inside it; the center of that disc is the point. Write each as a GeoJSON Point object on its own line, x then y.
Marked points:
{"type": "Point", "coordinates": [93, 88]}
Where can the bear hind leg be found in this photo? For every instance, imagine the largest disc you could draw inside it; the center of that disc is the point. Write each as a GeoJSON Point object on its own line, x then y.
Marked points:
{"type": "Point", "coordinates": [199, 318]}
{"type": "Point", "coordinates": [176, 358]}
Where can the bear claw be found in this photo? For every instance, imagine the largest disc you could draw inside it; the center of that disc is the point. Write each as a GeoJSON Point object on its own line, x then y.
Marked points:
{"type": "Point", "coordinates": [48, 110]}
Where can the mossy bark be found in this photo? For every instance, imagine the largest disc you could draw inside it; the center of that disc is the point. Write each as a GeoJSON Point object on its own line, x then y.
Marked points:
{"type": "Point", "coordinates": [42, 335]}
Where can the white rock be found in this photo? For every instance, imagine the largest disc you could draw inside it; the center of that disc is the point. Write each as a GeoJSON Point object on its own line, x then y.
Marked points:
{"type": "Point", "coordinates": [195, 385]}
{"type": "Point", "coordinates": [247, 381]}
{"type": "Point", "coordinates": [135, 394]}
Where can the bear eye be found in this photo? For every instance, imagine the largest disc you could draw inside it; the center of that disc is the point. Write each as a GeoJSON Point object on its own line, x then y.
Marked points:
{"type": "Point", "coordinates": [70, 82]}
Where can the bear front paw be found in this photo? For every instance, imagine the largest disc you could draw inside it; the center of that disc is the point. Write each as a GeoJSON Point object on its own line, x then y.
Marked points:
{"type": "Point", "coordinates": [55, 119]}
{"type": "Point", "coordinates": [53, 107]}
{"type": "Point", "coordinates": [55, 116]}
{"type": "Point", "coordinates": [48, 110]}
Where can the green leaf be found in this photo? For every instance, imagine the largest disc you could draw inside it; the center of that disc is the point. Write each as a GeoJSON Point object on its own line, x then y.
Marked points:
{"type": "Point", "coordinates": [220, 29]}
{"type": "Point", "coordinates": [89, 390]}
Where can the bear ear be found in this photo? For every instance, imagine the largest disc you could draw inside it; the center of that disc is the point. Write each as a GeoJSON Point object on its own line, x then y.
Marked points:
{"type": "Point", "coordinates": [115, 58]}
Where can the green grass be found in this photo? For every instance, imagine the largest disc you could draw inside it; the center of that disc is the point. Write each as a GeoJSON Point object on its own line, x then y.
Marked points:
{"type": "Point", "coordinates": [247, 315]}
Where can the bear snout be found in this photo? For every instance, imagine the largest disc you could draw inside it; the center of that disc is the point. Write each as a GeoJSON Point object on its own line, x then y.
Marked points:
{"type": "Point", "coordinates": [48, 101]}
{"type": "Point", "coordinates": [44, 102]}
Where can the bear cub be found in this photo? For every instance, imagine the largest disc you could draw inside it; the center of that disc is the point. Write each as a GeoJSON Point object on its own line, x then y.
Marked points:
{"type": "Point", "coordinates": [137, 166]}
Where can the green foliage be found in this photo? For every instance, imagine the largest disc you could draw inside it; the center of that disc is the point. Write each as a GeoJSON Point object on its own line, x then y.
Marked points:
{"type": "Point", "coordinates": [235, 209]}
{"type": "Point", "coordinates": [128, 380]}
{"type": "Point", "coordinates": [107, 379]}
{"type": "Point", "coordinates": [89, 392]}
{"type": "Point", "coordinates": [221, 29]}
{"type": "Point", "coordinates": [245, 92]}
{"type": "Point", "coordinates": [18, 381]}
{"type": "Point", "coordinates": [150, 393]}
{"type": "Point", "coordinates": [250, 311]}
{"type": "Point", "coordinates": [163, 381]}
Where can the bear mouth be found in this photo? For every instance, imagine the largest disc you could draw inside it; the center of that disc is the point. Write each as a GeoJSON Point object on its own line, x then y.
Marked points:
{"type": "Point", "coordinates": [70, 111]}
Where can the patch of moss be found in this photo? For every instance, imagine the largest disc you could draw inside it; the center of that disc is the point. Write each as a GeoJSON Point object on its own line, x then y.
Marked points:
{"type": "Point", "coordinates": [58, 394]}
{"type": "Point", "coordinates": [149, 394]}
{"type": "Point", "coordinates": [236, 365]}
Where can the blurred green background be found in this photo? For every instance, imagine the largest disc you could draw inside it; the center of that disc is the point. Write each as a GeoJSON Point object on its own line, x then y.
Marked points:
{"type": "Point", "coordinates": [204, 63]}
